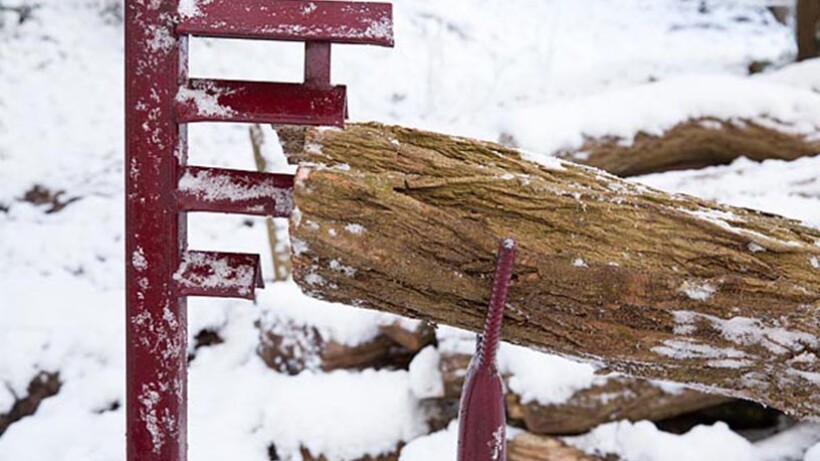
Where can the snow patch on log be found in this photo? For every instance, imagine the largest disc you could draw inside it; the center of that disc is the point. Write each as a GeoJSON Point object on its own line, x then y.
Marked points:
{"type": "Point", "coordinates": [748, 332]}
{"type": "Point", "coordinates": [691, 349]}
{"type": "Point", "coordinates": [700, 291]}
{"type": "Point", "coordinates": [356, 229]}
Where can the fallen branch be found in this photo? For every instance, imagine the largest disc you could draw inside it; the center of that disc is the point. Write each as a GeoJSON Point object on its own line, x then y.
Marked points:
{"type": "Point", "coordinates": [41, 387]}
{"type": "Point", "coordinates": [650, 284]}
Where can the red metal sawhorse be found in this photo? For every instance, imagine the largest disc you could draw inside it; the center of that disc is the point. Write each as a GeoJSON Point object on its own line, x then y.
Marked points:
{"type": "Point", "coordinates": [160, 188]}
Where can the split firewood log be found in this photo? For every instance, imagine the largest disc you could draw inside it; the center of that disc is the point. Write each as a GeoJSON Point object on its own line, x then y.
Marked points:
{"type": "Point", "coordinates": [646, 283]}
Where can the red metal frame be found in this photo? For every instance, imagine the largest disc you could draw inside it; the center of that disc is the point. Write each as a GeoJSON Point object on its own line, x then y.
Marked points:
{"type": "Point", "coordinates": [160, 188]}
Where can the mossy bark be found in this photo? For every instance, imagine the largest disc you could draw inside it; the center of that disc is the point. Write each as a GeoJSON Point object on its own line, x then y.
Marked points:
{"type": "Point", "coordinates": [643, 282]}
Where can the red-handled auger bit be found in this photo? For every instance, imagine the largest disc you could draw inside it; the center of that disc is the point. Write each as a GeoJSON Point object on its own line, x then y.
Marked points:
{"type": "Point", "coordinates": [482, 418]}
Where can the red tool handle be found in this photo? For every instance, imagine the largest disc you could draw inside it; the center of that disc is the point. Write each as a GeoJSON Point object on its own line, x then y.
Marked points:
{"type": "Point", "coordinates": [482, 417]}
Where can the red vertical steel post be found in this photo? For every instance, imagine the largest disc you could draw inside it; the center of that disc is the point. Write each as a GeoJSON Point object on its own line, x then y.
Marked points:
{"type": "Point", "coordinates": [156, 324]}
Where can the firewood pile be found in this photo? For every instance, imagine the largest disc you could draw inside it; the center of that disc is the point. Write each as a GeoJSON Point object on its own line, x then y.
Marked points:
{"type": "Point", "coordinates": [437, 360]}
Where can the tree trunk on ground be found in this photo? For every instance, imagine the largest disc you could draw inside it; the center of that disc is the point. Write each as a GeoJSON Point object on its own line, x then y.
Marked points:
{"type": "Point", "coordinates": [650, 284]}
{"type": "Point", "coordinates": [692, 144]}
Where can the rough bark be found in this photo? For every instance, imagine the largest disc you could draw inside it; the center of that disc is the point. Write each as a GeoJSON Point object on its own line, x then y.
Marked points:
{"type": "Point", "coordinates": [692, 144]}
{"type": "Point", "coordinates": [650, 284]}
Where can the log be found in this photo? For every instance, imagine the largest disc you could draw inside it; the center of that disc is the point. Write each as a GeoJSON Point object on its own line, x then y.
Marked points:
{"type": "Point", "coordinates": [642, 282]}
{"type": "Point", "coordinates": [292, 348]}
{"type": "Point", "coordinates": [692, 144]}
{"type": "Point", "coordinates": [607, 399]}
{"type": "Point", "coordinates": [610, 400]}
{"type": "Point", "coordinates": [531, 447]}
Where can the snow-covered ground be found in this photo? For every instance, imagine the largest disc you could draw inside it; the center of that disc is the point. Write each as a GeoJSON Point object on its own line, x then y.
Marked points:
{"type": "Point", "coordinates": [471, 67]}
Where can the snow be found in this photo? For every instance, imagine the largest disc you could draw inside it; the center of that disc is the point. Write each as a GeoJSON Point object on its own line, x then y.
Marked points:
{"type": "Point", "coordinates": [789, 189]}
{"type": "Point", "coordinates": [426, 380]}
{"type": "Point", "coordinates": [205, 100]}
{"type": "Point", "coordinates": [346, 325]}
{"type": "Point", "coordinates": [354, 228]}
{"type": "Point", "coordinates": [747, 332]}
{"type": "Point", "coordinates": [441, 445]}
{"type": "Point", "coordinates": [220, 274]}
{"type": "Point", "coordinates": [642, 441]}
{"type": "Point", "coordinates": [534, 376]}
{"type": "Point", "coordinates": [656, 107]}
{"type": "Point", "coordinates": [699, 291]}
{"type": "Point", "coordinates": [191, 8]}
{"type": "Point", "coordinates": [344, 415]}
{"type": "Point", "coordinates": [813, 454]}
{"type": "Point", "coordinates": [579, 262]}
{"type": "Point", "coordinates": [543, 378]}
{"type": "Point", "coordinates": [461, 66]}
{"type": "Point", "coordinates": [212, 186]}
{"type": "Point", "coordinates": [805, 75]}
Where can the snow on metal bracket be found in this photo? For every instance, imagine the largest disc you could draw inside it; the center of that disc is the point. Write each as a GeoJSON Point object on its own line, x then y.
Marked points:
{"type": "Point", "coordinates": [257, 102]}
{"type": "Point", "coordinates": [234, 191]}
{"type": "Point", "coordinates": [326, 21]}
{"type": "Point", "coordinates": [222, 275]}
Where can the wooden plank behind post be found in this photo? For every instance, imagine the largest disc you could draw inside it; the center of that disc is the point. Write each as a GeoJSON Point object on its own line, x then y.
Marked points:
{"type": "Point", "coordinates": [155, 149]}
